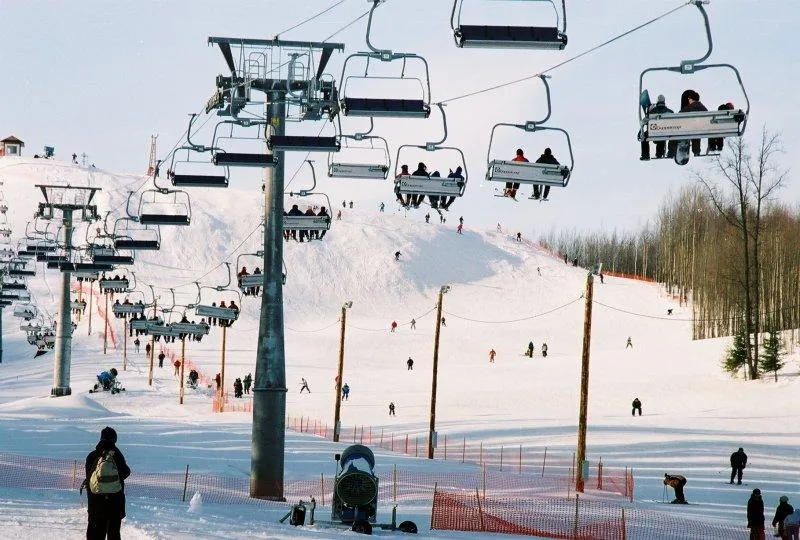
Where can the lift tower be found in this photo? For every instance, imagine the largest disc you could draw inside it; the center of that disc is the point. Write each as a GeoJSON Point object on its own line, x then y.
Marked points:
{"type": "Point", "coordinates": [289, 74]}
{"type": "Point", "coordinates": [67, 200]}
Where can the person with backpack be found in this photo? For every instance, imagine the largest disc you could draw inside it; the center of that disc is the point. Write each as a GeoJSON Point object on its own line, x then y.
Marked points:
{"type": "Point", "coordinates": [106, 471]}
{"type": "Point", "coordinates": [248, 380]}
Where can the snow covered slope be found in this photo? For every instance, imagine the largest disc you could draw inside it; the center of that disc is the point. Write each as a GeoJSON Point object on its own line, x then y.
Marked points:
{"type": "Point", "coordinates": [504, 294]}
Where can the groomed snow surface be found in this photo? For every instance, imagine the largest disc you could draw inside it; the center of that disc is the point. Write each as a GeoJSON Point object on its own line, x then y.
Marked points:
{"type": "Point", "coordinates": [694, 415]}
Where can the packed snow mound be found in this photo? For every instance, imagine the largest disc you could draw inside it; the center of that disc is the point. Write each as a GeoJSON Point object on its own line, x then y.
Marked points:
{"type": "Point", "coordinates": [75, 406]}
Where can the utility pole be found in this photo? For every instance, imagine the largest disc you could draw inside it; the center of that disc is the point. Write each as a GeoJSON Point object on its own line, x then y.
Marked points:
{"type": "Point", "coordinates": [1, 334]}
{"type": "Point", "coordinates": [183, 361]}
{"type": "Point", "coordinates": [584, 405]}
{"type": "Point", "coordinates": [67, 200]}
{"type": "Point", "coordinates": [221, 389]}
{"type": "Point", "coordinates": [105, 331]}
{"type": "Point", "coordinates": [125, 344]}
{"type": "Point", "coordinates": [337, 427]}
{"type": "Point", "coordinates": [91, 296]}
{"type": "Point", "coordinates": [152, 346]}
{"type": "Point", "coordinates": [432, 431]}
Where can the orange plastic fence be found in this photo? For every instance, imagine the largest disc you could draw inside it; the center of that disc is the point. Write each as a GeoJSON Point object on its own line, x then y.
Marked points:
{"type": "Point", "coordinates": [564, 517]}
{"type": "Point", "coordinates": [629, 276]}
{"type": "Point", "coordinates": [555, 472]}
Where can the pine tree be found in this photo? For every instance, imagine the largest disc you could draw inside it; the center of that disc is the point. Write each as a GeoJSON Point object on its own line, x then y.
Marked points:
{"type": "Point", "coordinates": [772, 355]}
{"type": "Point", "coordinates": [736, 358]}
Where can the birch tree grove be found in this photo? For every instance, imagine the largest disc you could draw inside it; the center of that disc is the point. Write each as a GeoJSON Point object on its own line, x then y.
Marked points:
{"type": "Point", "coordinates": [726, 243]}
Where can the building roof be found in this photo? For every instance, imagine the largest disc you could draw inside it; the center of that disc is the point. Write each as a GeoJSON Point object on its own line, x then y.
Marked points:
{"type": "Point", "coordinates": [12, 139]}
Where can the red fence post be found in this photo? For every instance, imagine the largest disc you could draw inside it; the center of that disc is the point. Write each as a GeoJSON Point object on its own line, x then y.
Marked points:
{"type": "Point", "coordinates": [501, 458]}
{"type": "Point", "coordinates": [544, 460]}
{"type": "Point", "coordinates": [520, 459]}
{"type": "Point", "coordinates": [463, 449]}
{"type": "Point", "coordinates": [445, 447]}
{"type": "Point", "coordinates": [600, 474]}
{"type": "Point", "coordinates": [406, 449]}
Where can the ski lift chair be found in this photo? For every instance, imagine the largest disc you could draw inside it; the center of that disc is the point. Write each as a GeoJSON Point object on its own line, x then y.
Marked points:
{"type": "Point", "coordinates": [26, 311]}
{"type": "Point", "coordinates": [116, 285]}
{"type": "Point", "coordinates": [380, 106]}
{"type": "Point", "coordinates": [16, 285]}
{"type": "Point", "coordinates": [231, 137]}
{"type": "Point", "coordinates": [109, 255]}
{"type": "Point", "coordinates": [679, 128]}
{"type": "Point", "coordinates": [510, 37]}
{"type": "Point", "coordinates": [251, 283]}
{"type": "Point", "coordinates": [311, 225]}
{"type": "Point", "coordinates": [163, 206]}
{"type": "Point", "coordinates": [441, 191]}
{"type": "Point", "coordinates": [377, 168]}
{"type": "Point", "coordinates": [18, 268]}
{"type": "Point", "coordinates": [225, 315]}
{"type": "Point", "coordinates": [133, 236]}
{"type": "Point", "coordinates": [531, 173]}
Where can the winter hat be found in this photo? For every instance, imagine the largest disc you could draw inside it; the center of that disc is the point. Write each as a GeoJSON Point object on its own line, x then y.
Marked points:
{"type": "Point", "coordinates": [661, 99]}
{"type": "Point", "coordinates": [756, 491]}
{"type": "Point", "coordinates": [108, 434]}
{"type": "Point", "coordinates": [784, 498]}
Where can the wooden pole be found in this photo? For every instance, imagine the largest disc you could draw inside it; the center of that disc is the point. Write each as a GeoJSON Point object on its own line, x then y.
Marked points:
{"type": "Point", "coordinates": [105, 328]}
{"type": "Point", "coordinates": [432, 430]}
{"type": "Point", "coordinates": [339, 374]}
{"type": "Point", "coordinates": [185, 483]}
{"type": "Point", "coordinates": [91, 297]}
{"type": "Point", "coordinates": [183, 363]}
{"type": "Point", "coordinates": [222, 374]}
{"type": "Point", "coordinates": [80, 297]}
{"type": "Point", "coordinates": [125, 345]}
{"type": "Point", "coordinates": [152, 348]}
{"type": "Point", "coordinates": [584, 404]}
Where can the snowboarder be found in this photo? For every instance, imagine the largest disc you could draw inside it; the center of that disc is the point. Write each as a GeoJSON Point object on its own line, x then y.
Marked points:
{"type": "Point", "coordinates": [147, 349]}
{"type": "Point", "coordinates": [136, 344]}
{"type": "Point", "coordinates": [106, 471]}
{"type": "Point", "coordinates": [676, 482]}
{"type": "Point", "coordinates": [637, 406]}
{"type": "Point", "coordinates": [519, 237]}
{"type": "Point", "coordinates": [304, 385]}
{"type": "Point", "coordinates": [544, 350]}
{"type": "Point", "coordinates": [382, 207]}
{"type": "Point", "coordinates": [492, 354]}
{"type": "Point", "coordinates": [755, 515]}
{"type": "Point", "coordinates": [391, 408]}
{"type": "Point", "coordinates": [529, 352]}
{"type": "Point", "coordinates": [783, 511]}
{"type": "Point", "coordinates": [248, 380]}
{"type": "Point", "coordinates": [413, 324]}
{"type": "Point", "coordinates": [629, 344]}
{"type": "Point", "coordinates": [397, 255]}
{"type": "Point", "coordinates": [428, 217]}
{"type": "Point", "coordinates": [177, 365]}
{"type": "Point", "coordinates": [161, 357]}
{"type": "Point", "coordinates": [345, 391]}
{"type": "Point", "coordinates": [237, 388]}
{"type": "Point", "coordinates": [410, 364]}
{"type": "Point", "coordinates": [738, 463]}
{"type": "Point", "coordinates": [394, 326]}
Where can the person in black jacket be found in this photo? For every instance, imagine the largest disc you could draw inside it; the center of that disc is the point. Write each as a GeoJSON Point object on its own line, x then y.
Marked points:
{"type": "Point", "coordinates": [783, 510]}
{"type": "Point", "coordinates": [676, 482]}
{"type": "Point", "coordinates": [690, 102]}
{"type": "Point", "coordinates": [659, 108]}
{"type": "Point", "coordinates": [106, 510]}
{"type": "Point", "coordinates": [550, 159]}
{"type": "Point", "coordinates": [755, 515]}
{"type": "Point", "coordinates": [738, 463]}
{"type": "Point", "coordinates": [636, 406]}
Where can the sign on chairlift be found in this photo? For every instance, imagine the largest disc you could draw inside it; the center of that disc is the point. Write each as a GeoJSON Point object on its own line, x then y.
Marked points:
{"type": "Point", "coordinates": [357, 170]}
{"type": "Point", "coordinates": [89, 276]}
{"type": "Point", "coordinates": [154, 329]}
{"type": "Point", "coordinates": [306, 223]}
{"type": "Point", "coordinates": [527, 173]}
{"type": "Point", "coordinates": [190, 328]}
{"type": "Point", "coordinates": [127, 309]}
{"type": "Point", "coordinates": [29, 327]}
{"type": "Point", "coordinates": [699, 125]}
{"type": "Point", "coordinates": [110, 285]}
{"type": "Point", "coordinates": [431, 186]}
{"type": "Point", "coordinates": [251, 280]}
{"type": "Point", "coordinates": [139, 324]}
{"type": "Point", "coordinates": [215, 312]}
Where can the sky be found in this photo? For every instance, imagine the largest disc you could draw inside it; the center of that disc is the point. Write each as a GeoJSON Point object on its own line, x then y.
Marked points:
{"type": "Point", "coordinates": [100, 78]}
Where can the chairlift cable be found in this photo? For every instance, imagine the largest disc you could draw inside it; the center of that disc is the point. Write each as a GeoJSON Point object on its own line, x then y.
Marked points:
{"type": "Point", "coordinates": [515, 320]}
{"type": "Point", "coordinates": [301, 23]}
{"type": "Point", "coordinates": [698, 320]}
{"type": "Point", "coordinates": [568, 60]}
{"type": "Point", "coordinates": [348, 25]}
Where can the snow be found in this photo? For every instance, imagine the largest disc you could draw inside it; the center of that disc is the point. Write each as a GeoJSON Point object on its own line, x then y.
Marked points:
{"type": "Point", "coordinates": [694, 415]}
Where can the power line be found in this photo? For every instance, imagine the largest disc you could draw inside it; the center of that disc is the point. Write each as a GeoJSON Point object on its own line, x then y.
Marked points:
{"type": "Point", "coordinates": [301, 23]}
{"type": "Point", "coordinates": [568, 60]}
{"type": "Point", "coordinates": [348, 25]}
{"type": "Point", "coordinates": [514, 320]}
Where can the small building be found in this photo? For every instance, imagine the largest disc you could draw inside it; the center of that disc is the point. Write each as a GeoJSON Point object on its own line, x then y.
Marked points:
{"type": "Point", "coordinates": [11, 146]}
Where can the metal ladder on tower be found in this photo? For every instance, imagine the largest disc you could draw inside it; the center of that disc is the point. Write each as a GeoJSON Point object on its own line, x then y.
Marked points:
{"type": "Point", "coordinates": [151, 166]}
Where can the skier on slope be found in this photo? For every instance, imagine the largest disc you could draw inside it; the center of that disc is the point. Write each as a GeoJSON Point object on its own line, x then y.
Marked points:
{"type": "Point", "coordinates": [629, 343]}
{"type": "Point", "coordinates": [529, 352]}
{"type": "Point", "coordinates": [492, 354]}
{"type": "Point", "coordinates": [248, 380]}
{"type": "Point", "coordinates": [738, 463]}
{"type": "Point", "coordinates": [345, 391]}
{"type": "Point", "coordinates": [636, 406]}
{"type": "Point", "coordinates": [394, 326]}
{"type": "Point", "coordinates": [544, 350]}
{"type": "Point", "coordinates": [676, 482]}
{"type": "Point", "coordinates": [410, 364]}
{"type": "Point", "coordinates": [304, 385]}
{"type": "Point", "coordinates": [783, 511]}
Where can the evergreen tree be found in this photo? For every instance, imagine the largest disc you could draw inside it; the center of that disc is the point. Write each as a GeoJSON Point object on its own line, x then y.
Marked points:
{"type": "Point", "coordinates": [772, 355]}
{"type": "Point", "coordinates": [736, 358]}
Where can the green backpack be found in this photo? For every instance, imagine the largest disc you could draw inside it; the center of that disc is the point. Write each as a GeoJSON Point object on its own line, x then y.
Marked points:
{"type": "Point", "coordinates": [105, 477]}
